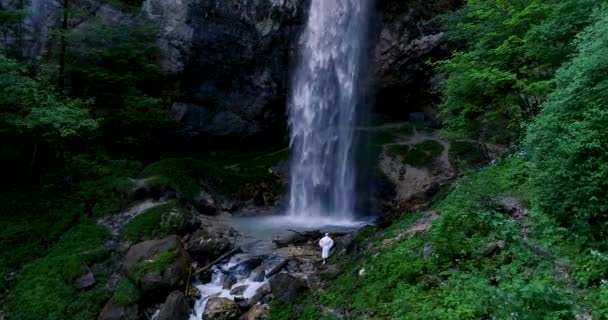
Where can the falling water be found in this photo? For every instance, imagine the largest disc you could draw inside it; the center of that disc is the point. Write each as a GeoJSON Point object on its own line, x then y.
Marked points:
{"type": "Point", "coordinates": [322, 109]}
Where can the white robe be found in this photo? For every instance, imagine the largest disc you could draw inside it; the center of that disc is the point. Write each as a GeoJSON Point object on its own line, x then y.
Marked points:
{"type": "Point", "coordinates": [326, 243]}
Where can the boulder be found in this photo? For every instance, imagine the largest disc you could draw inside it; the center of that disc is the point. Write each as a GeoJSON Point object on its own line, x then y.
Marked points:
{"type": "Point", "coordinates": [245, 267]}
{"type": "Point", "coordinates": [178, 220]}
{"type": "Point", "coordinates": [258, 274]}
{"type": "Point", "coordinates": [205, 204]}
{"type": "Point", "coordinates": [115, 311]}
{"type": "Point", "coordinates": [220, 309]}
{"type": "Point", "coordinates": [174, 308]}
{"type": "Point", "coordinates": [342, 244]}
{"type": "Point", "coordinates": [238, 291]}
{"type": "Point", "coordinates": [206, 246]}
{"type": "Point", "coordinates": [259, 294]}
{"type": "Point", "coordinates": [228, 282]}
{"type": "Point", "coordinates": [286, 287]}
{"type": "Point", "coordinates": [272, 265]}
{"type": "Point", "coordinates": [157, 266]}
{"type": "Point", "coordinates": [257, 312]}
{"type": "Point", "coordinates": [85, 280]}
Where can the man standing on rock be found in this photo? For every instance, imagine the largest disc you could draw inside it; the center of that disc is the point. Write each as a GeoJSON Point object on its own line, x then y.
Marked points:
{"type": "Point", "coordinates": [326, 243]}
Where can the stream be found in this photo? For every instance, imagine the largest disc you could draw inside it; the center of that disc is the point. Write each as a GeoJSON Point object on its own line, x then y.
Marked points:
{"type": "Point", "coordinates": [240, 277]}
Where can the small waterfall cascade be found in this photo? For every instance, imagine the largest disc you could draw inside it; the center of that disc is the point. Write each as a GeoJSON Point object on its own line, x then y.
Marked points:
{"type": "Point", "coordinates": [322, 110]}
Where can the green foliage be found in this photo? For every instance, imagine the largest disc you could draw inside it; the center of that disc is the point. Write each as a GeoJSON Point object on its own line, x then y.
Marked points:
{"type": "Point", "coordinates": [460, 278]}
{"type": "Point", "coordinates": [30, 107]}
{"type": "Point", "coordinates": [497, 83]}
{"type": "Point", "coordinates": [126, 292]}
{"type": "Point", "coordinates": [568, 142]}
{"type": "Point", "coordinates": [148, 223]}
{"type": "Point", "coordinates": [44, 287]}
{"type": "Point", "coordinates": [103, 183]}
{"type": "Point", "coordinates": [109, 59]}
{"type": "Point", "coordinates": [466, 155]}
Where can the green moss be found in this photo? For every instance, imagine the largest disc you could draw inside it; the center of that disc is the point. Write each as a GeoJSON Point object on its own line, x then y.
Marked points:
{"type": "Point", "coordinates": [44, 287]}
{"type": "Point", "coordinates": [126, 292]}
{"type": "Point", "coordinates": [148, 223]}
{"type": "Point", "coordinates": [189, 175]}
{"type": "Point", "coordinates": [158, 263]}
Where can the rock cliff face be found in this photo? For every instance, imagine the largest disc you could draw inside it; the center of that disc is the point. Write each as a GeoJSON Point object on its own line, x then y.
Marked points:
{"type": "Point", "coordinates": [232, 60]}
{"type": "Point", "coordinates": [233, 57]}
{"type": "Point", "coordinates": [408, 37]}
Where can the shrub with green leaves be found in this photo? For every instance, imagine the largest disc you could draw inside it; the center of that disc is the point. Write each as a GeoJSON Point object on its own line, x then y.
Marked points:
{"type": "Point", "coordinates": [568, 142]}
{"type": "Point", "coordinates": [498, 81]}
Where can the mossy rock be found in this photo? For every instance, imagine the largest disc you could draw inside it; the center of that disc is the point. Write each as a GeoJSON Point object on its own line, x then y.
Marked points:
{"type": "Point", "coordinates": [421, 155]}
{"type": "Point", "coordinates": [157, 267]}
{"type": "Point", "coordinates": [168, 218]}
{"type": "Point", "coordinates": [189, 176]}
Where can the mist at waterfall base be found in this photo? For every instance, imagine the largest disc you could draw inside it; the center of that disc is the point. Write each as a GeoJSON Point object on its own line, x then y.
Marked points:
{"type": "Point", "coordinates": [323, 103]}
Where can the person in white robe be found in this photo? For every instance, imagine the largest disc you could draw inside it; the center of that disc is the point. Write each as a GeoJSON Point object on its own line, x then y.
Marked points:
{"type": "Point", "coordinates": [325, 243]}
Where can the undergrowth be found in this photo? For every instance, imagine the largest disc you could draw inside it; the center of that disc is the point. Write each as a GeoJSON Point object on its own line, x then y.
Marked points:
{"type": "Point", "coordinates": [476, 262]}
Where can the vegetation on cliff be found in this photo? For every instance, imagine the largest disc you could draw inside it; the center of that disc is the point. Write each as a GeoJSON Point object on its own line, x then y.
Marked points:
{"type": "Point", "coordinates": [524, 237]}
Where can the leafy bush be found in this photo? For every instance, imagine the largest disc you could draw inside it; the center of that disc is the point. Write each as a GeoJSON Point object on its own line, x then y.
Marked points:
{"type": "Point", "coordinates": [568, 142]}
{"type": "Point", "coordinates": [498, 81]}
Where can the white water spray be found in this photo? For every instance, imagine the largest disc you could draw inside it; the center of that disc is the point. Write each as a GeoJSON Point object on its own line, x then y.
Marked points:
{"type": "Point", "coordinates": [322, 110]}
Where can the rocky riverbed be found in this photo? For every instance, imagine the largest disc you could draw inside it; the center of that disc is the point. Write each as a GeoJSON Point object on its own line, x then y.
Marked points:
{"type": "Point", "coordinates": [218, 267]}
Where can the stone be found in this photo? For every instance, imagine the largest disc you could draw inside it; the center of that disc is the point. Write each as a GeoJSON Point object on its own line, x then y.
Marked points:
{"type": "Point", "coordinates": [194, 293]}
{"type": "Point", "coordinates": [174, 308]}
{"type": "Point", "coordinates": [238, 291]}
{"type": "Point", "coordinates": [427, 251]}
{"type": "Point", "coordinates": [259, 294]}
{"type": "Point", "coordinates": [220, 309]}
{"type": "Point", "coordinates": [115, 311]}
{"type": "Point", "coordinates": [206, 245]}
{"type": "Point", "coordinates": [258, 274]}
{"type": "Point", "coordinates": [228, 282]}
{"type": "Point", "coordinates": [274, 264]}
{"type": "Point", "coordinates": [205, 204]}
{"type": "Point", "coordinates": [245, 267]}
{"type": "Point", "coordinates": [257, 312]}
{"type": "Point", "coordinates": [164, 276]}
{"type": "Point", "coordinates": [177, 220]}
{"type": "Point", "coordinates": [343, 244]}
{"type": "Point", "coordinates": [286, 287]}
{"type": "Point", "coordinates": [85, 280]}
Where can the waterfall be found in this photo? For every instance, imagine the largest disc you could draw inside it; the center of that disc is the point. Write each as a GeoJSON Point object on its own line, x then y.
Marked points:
{"type": "Point", "coordinates": [322, 109]}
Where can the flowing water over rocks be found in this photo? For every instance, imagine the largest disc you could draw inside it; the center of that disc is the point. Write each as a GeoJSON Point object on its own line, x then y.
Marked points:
{"type": "Point", "coordinates": [322, 108]}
